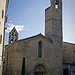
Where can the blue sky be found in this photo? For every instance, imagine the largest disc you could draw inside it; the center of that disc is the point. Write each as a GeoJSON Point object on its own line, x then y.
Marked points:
{"type": "Point", "coordinates": [28, 16]}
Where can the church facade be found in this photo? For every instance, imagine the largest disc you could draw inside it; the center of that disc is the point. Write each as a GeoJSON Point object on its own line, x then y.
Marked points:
{"type": "Point", "coordinates": [44, 55]}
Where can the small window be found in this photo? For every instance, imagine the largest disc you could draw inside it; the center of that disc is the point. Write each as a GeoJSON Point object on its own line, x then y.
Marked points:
{"type": "Point", "coordinates": [11, 34]}
{"type": "Point", "coordinates": [73, 51]}
{"type": "Point", "coordinates": [39, 49]}
{"type": "Point", "coordinates": [56, 6]}
{"type": "Point", "coordinates": [0, 39]}
{"type": "Point", "coordinates": [15, 34]}
{"type": "Point", "coordinates": [3, 64]}
{"type": "Point", "coordinates": [56, 3]}
{"type": "Point", "coordinates": [11, 39]}
{"type": "Point", "coordinates": [2, 14]}
{"type": "Point", "coordinates": [15, 39]}
{"type": "Point", "coordinates": [14, 30]}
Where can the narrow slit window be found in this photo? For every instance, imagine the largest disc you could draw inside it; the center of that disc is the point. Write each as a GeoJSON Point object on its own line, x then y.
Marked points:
{"type": "Point", "coordinates": [2, 14]}
{"type": "Point", "coordinates": [73, 51]}
{"type": "Point", "coordinates": [40, 49]}
{"type": "Point", "coordinates": [0, 39]}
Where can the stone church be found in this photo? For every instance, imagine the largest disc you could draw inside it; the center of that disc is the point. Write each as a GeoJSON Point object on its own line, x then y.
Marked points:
{"type": "Point", "coordinates": [44, 55]}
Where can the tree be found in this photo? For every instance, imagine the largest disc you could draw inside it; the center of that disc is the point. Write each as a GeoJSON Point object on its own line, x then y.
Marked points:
{"type": "Point", "coordinates": [23, 67]}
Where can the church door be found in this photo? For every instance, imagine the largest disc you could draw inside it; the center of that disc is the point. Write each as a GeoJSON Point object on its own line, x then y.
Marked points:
{"type": "Point", "coordinates": [39, 70]}
{"type": "Point", "coordinates": [39, 73]}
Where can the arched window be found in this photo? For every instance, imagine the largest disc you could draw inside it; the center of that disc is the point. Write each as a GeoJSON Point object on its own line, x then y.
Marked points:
{"type": "Point", "coordinates": [39, 49]}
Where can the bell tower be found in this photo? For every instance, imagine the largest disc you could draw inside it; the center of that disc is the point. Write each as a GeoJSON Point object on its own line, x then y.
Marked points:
{"type": "Point", "coordinates": [57, 3]}
{"type": "Point", "coordinates": [13, 35]}
{"type": "Point", "coordinates": [53, 31]}
{"type": "Point", "coordinates": [53, 22]}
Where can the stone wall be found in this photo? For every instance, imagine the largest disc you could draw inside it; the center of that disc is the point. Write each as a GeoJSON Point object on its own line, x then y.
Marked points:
{"type": "Point", "coordinates": [68, 53]}
{"type": "Point", "coordinates": [51, 58]}
{"type": "Point", "coordinates": [69, 57]}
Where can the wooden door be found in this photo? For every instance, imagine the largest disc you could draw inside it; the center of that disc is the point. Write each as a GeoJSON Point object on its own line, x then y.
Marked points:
{"type": "Point", "coordinates": [39, 73]}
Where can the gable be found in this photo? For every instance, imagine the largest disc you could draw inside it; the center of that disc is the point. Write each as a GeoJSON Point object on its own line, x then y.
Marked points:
{"type": "Point", "coordinates": [29, 47]}
{"type": "Point", "coordinates": [39, 36]}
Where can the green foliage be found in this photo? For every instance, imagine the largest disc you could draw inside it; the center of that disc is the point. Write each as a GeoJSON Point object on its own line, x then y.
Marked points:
{"type": "Point", "coordinates": [23, 67]}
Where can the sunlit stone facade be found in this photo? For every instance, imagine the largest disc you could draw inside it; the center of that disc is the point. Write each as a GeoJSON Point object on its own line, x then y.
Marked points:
{"type": "Point", "coordinates": [3, 10]}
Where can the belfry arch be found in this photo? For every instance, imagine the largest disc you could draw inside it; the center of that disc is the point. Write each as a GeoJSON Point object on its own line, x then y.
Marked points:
{"type": "Point", "coordinates": [57, 4]}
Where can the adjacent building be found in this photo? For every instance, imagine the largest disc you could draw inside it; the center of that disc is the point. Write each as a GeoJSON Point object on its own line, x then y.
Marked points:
{"type": "Point", "coordinates": [3, 19]}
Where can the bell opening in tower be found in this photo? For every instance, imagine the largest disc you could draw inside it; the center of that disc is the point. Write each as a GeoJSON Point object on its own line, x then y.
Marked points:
{"type": "Point", "coordinates": [56, 4]}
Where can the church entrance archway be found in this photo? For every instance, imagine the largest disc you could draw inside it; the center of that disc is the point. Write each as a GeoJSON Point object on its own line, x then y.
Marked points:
{"type": "Point", "coordinates": [39, 70]}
